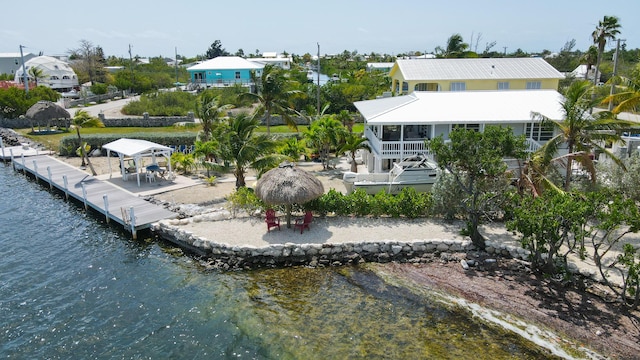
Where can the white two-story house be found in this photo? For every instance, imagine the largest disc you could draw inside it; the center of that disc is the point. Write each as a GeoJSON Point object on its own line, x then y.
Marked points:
{"type": "Point", "coordinates": [442, 94]}
{"type": "Point", "coordinates": [397, 127]}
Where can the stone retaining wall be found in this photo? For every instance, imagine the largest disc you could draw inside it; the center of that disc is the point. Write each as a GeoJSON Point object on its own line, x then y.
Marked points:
{"type": "Point", "coordinates": [245, 257]}
{"type": "Point", "coordinates": [146, 120]}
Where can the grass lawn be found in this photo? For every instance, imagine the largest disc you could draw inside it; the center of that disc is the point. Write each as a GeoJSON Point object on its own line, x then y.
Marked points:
{"type": "Point", "coordinates": [52, 141]}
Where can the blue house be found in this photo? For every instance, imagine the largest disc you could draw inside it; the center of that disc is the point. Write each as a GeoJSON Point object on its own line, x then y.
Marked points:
{"type": "Point", "coordinates": [224, 71]}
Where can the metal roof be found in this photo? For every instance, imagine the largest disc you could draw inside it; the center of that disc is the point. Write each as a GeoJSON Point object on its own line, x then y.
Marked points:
{"type": "Point", "coordinates": [446, 107]}
{"type": "Point", "coordinates": [477, 69]}
{"type": "Point", "coordinates": [226, 63]}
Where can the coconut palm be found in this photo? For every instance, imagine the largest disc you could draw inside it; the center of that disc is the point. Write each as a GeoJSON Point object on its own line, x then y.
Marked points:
{"type": "Point", "coordinates": [456, 47]}
{"type": "Point", "coordinates": [36, 73]}
{"type": "Point", "coordinates": [209, 111]}
{"type": "Point", "coordinates": [244, 150]}
{"type": "Point", "coordinates": [627, 95]}
{"type": "Point", "coordinates": [274, 95]}
{"type": "Point", "coordinates": [607, 29]}
{"type": "Point", "coordinates": [80, 120]}
{"type": "Point", "coordinates": [353, 143]}
{"type": "Point", "coordinates": [323, 134]}
{"type": "Point", "coordinates": [581, 131]}
{"type": "Point", "coordinates": [590, 58]}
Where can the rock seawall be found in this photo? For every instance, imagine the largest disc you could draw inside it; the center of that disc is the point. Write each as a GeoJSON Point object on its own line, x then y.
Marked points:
{"type": "Point", "coordinates": [226, 256]}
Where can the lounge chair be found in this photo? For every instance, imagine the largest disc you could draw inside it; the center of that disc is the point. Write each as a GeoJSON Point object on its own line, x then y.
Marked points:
{"type": "Point", "coordinates": [271, 219]}
{"type": "Point", "coordinates": [303, 222]}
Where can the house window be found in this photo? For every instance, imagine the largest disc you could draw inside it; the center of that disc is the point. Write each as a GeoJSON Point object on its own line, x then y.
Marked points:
{"type": "Point", "coordinates": [237, 74]}
{"type": "Point", "coordinates": [391, 133]}
{"type": "Point", "coordinates": [539, 133]}
{"type": "Point", "coordinates": [503, 85]}
{"type": "Point", "coordinates": [474, 127]}
{"type": "Point", "coordinates": [458, 86]}
{"type": "Point", "coordinates": [534, 85]}
{"type": "Point", "coordinates": [421, 87]}
{"type": "Point", "coordinates": [405, 86]}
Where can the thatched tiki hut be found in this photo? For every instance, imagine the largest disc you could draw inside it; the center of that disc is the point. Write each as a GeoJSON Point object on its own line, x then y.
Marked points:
{"type": "Point", "coordinates": [287, 185]}
{"type": "Point", "coordinates": [44, 111]}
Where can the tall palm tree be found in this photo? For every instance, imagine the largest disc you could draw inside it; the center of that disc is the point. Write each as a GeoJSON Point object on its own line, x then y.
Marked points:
{"type": "Point", "coordinates": [245, 150]}
{"type": "Point", "coordinates": [607, 29]}
{"type": "Point", "coordinates": [80, 120]}
{"type": "Point", "coordinates": [209, 111]}
{"type": "Point", "coordinates": [581, 131]}
{"type": "Point", "coordinates": [274, 94]}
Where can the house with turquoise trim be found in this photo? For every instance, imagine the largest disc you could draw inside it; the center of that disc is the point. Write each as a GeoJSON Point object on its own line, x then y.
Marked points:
{"type": "Point", "coordinates": [223, 71]}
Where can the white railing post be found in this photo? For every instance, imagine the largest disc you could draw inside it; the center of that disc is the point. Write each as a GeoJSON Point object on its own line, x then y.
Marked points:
{"type": "Point", "coordinates": [50, 180]}
{"type": "Point", "coordinates": [132, 223]}
{"type": "Point", "coordinates": [84, 197]}
{"type": "Point", "coordinates": [35, 170]}
{"type": "Point", "coordinates": [66, 186]}
{"type": "Point", "coordinates": [106, 207]}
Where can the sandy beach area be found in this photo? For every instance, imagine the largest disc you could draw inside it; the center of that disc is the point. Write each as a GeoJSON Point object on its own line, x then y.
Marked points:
{"type": "Point", "coordinates": [585, 316]}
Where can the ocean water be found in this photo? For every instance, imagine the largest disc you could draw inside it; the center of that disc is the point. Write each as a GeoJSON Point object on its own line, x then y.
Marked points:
{"type": "Point", "coordinates": [72, 287]}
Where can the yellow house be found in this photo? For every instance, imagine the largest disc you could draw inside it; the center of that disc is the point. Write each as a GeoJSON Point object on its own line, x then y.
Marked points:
{"type": "Point", "coordinates": [408, 76]}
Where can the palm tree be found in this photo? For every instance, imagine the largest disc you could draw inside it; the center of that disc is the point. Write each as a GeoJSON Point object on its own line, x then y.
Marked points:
{"type": "Point", "coordinates": [209, 111]}
{"type": "Point", "coordinates": [323, 134]}
{"type": "Point", "coordinates": [590, 57]}
{"type": "Point", "coordinates": [581, 131]}
{"type": "Point", "coordinates": [274, 95]}
{"type": "Point", "coordinates": [456, 47]}
{"type": "Point", "coordinates": [627, 96]}
{"type": "Point", "coordinates": [80, 120]}
{"type": "Point", "coordinates": [245, 150]}
{"type": "Point", "coordinates": [607, 29]}
{"type": "Point", "coordinates": [353, 143]}
{"type": "Point", "coordinates": [36, 73]}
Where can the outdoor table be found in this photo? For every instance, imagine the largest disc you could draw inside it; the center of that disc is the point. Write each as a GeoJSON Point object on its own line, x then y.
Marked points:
{"type": "Point", "coordinates": [157, 169]}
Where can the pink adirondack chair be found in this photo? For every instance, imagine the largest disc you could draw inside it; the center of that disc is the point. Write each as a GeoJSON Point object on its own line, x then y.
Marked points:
{"type": "Point", "coordinates": [303, 222]}
{"type": "Point", "coordinates": [272, 220]}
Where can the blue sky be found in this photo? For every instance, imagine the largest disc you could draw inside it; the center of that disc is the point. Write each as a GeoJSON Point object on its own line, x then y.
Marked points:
{"type": "Point", "coordinates": [158, 27]}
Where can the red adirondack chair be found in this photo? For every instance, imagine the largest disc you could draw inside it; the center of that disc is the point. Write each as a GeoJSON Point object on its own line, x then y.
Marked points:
{"type": "Point", "coordinates": [303, 222]}
{"type": "Point", "coordinates": [271, 219]}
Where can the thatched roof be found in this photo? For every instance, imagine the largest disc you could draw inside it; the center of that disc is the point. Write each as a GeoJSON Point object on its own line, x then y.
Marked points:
{"type": "Point", "coordinates": [46, 110]}
{"type": "Point", "coordinates": [288, 184]}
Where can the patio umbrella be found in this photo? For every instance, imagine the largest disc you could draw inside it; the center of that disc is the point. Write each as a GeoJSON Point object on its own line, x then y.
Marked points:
{"type": "Point", "coordinates": [46, 111]}
{"type": "Point", "coordinates": [287, 185]}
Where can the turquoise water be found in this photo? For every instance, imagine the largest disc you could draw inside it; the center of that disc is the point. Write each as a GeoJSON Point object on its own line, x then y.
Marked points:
{"type": "Point", "coordinates": [73, 287]}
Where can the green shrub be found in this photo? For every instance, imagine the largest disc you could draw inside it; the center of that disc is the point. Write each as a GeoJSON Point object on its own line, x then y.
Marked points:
{"type": "Point", "coordinates": [244, 199]}
{"type": "Point", "coordinates": [172, 103]}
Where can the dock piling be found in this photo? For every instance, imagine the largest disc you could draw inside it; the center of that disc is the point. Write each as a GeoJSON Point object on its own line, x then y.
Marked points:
{"type": "Point", "coordinates": [50, 180]}
{"type": "Point", "coordinates": [84, 197]}
{"type": "Point", "coordinates": [106, 207]}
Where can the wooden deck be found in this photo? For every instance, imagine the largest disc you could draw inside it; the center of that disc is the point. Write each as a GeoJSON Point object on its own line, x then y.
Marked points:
{"type": "Point", "coordinates": [102, 196]}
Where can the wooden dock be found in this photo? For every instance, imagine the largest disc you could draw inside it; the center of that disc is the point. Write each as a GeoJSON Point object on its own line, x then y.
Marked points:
{"type": "Point", "coordinates": [115, 203]}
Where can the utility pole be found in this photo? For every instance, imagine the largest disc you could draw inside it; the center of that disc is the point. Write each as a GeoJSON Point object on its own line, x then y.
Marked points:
{"type": "Point", "coordinates": [176, 66]}
{"type": "Point", "coordinates": [131, 61]}
{"type": "Point", "coordinates": [24, 72]}
{"type": "Point", "coordinates": [615, 70]}
{"type": "Point", "coordinates": [318, 73]}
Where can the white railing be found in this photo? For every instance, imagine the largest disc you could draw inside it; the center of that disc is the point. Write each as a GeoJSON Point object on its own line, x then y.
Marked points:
{"type": "Point", "coordinates": [402, 149]}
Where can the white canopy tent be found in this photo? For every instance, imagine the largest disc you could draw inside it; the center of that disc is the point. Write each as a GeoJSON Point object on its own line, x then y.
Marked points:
{"type": "Point", "coordinates": [137, 149]}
